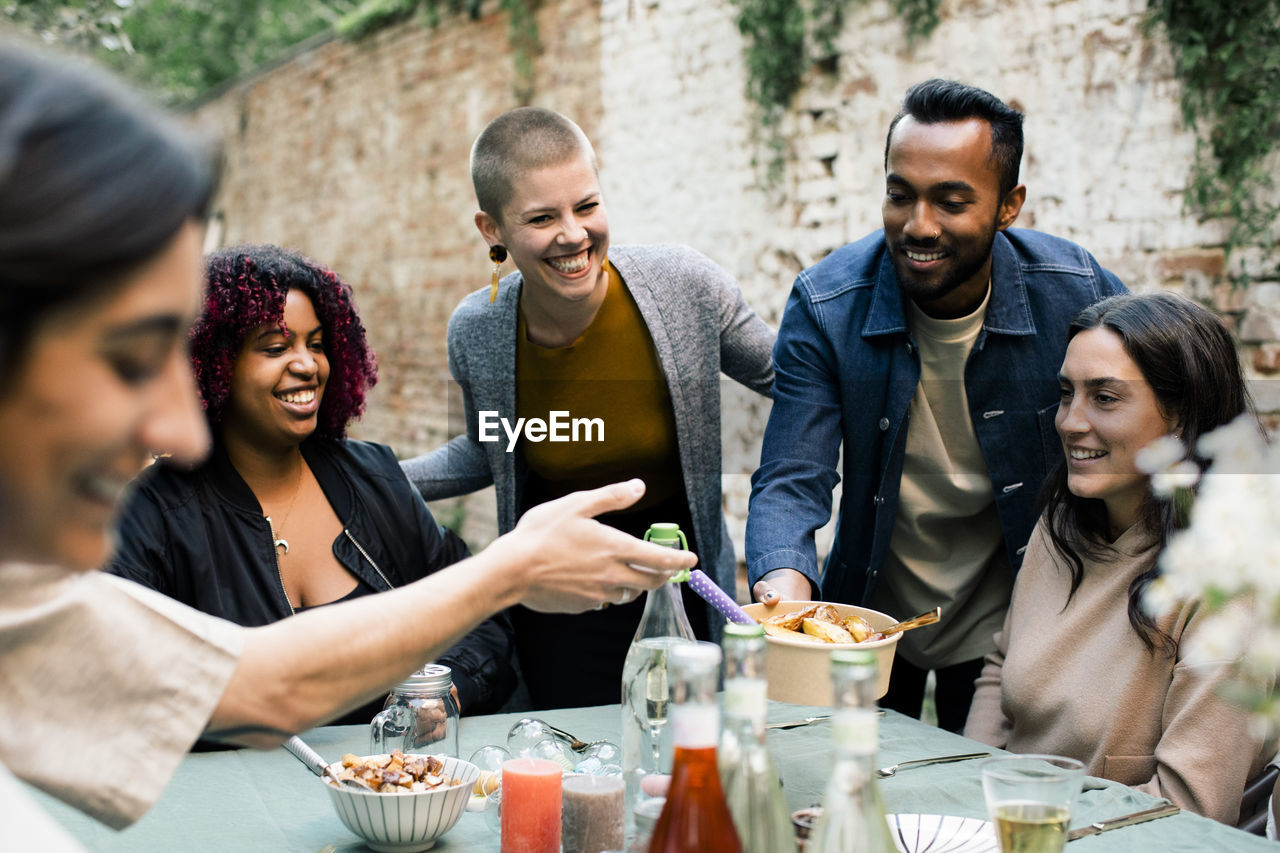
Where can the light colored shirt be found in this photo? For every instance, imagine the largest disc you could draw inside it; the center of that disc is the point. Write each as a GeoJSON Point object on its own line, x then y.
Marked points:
{"type": "Point", "coordinates": [946, 546]}
{"type": "Point", "coordinates": [104, 686]}
{"type": "Point", "coordinates": [25, 826]}
{"type": "Point", "coordinates": [1073, 678]}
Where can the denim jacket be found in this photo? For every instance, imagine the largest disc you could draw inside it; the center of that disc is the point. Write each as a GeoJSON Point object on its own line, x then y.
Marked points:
{"type": "Point", "coordinates": [846, 369]}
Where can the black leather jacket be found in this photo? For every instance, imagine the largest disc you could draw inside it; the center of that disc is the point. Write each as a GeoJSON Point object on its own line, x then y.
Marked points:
{"type": "Point", "coordinates": [199, 536]}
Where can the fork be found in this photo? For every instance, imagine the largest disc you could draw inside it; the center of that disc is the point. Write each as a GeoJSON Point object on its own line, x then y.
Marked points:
{"type": "Point", "coordinates": [795, 724]}
{"type": "Point", "coordinates": [320, 767]}
{"type": "Point", "coordinates": [886, 772]}
{"type": "Point", "coordinates": [574, 743]}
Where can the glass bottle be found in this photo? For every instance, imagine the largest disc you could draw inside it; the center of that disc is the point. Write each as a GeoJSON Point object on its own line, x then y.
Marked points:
{"type": "Point", "coordinates": [646, 685]}
{"type": "Point", "coordinates": [420, 715]}
{"type": "Point", "coordinates": [696, 818]}
{"type": "Point", "coordinates": [853, 816]}
{"type": "Point", "coordinates": [747, 775]}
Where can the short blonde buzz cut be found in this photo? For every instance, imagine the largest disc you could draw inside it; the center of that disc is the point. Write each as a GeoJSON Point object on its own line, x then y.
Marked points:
{"type": "Point", "coordinates": [515, 142]}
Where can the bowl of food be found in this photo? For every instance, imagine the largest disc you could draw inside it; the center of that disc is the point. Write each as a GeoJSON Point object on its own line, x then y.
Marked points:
{"type": "Point", "coordinates": [800, 637]}
{"type": "Point", "coordinates": [412, 801]}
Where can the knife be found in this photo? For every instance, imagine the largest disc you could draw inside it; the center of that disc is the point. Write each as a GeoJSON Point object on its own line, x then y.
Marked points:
{"type": "Point", "coordinates": [1124, 820]}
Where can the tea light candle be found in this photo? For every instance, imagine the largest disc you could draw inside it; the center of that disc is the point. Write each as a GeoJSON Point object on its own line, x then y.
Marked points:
{"type": "Point", "coordinates": [531, 806]}
{"type": "Point", "coordinates": [593, 814]}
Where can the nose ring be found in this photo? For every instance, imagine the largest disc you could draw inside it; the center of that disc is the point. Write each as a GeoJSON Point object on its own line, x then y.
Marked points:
{"type": "Point", "coordinates": [936, 234]}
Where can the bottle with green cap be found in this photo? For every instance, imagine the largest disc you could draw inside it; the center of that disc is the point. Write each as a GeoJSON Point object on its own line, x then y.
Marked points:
{"type": "Point", "coordinates": [646, 685]}
{"type": "Point", "coordinates": [747, 773]}
{"type": "Point", "coordinates": [853, 816]}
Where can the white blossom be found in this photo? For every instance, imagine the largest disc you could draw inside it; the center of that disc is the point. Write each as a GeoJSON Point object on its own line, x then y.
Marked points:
{"type": "Point", "coordinates": [1180, 475]}
{"type": "Point", "coordinates": [1160, 455]}
{"type": "Point", "coordinates": [1236, 448]}
{"type": "Point", "coordinates": [1229, 553]}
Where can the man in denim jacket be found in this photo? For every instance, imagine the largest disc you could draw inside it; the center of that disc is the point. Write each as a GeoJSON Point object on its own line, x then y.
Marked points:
{"type": "Point", "coordinates": [930, 351]}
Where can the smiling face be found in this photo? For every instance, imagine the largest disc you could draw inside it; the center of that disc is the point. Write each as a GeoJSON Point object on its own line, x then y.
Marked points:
{"type": "Point", "coordinates": [278, 380]}
{"type": "Point", "coordinates": [556, 231]}
{"type": "Point", "coordinates": [102, 386]}
{"type": "Point", "coordinates": [941, 211]}
{"type": "Point", "coordinates": [1107, 413]}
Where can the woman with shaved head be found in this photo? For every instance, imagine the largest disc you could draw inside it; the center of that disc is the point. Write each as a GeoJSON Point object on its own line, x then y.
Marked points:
{"type": "Point", "coordinates": [626, 343]}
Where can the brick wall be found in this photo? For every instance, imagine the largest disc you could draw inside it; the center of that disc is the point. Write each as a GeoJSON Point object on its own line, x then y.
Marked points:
{"type": "Point", "coordinates": [356, 153]}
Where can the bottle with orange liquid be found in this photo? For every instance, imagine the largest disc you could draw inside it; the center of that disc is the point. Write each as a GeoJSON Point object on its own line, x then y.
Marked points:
{"type": "Point", "coordinates": [696, 818]}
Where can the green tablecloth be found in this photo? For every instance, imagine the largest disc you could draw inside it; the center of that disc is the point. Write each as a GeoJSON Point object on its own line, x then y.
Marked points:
{"type": "Point", "coordinates": [245, 800]}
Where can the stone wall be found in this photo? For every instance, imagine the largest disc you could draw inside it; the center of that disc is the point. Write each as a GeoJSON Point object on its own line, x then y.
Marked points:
{"type": "Point", "coordinates": [356, 153]}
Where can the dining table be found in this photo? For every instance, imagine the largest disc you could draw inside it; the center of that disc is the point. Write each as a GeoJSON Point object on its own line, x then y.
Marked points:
{"type": "Point", "coordinates": [265, 800]}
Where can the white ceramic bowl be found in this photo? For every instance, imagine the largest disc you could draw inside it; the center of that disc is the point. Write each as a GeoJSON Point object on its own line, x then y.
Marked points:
{"type": "Point", "coordinates": [799, 672]}
{"type": "Point", "coordinates": [400, 823]}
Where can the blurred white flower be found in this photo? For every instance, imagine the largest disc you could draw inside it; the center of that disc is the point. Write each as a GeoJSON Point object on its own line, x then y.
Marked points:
{"type": "Point", "coordinates": [1236, 448]}
{"type": "Point", "coordinates": [1228, 558]}
{"type": "Point", "coordinates": [1180, 475]}
{"type": "Point", "coordinates": [1160, 455]}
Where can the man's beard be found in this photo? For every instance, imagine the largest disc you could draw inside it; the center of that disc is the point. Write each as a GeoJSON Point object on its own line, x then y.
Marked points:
{"type": "Point", "coordinates": [960, 266]}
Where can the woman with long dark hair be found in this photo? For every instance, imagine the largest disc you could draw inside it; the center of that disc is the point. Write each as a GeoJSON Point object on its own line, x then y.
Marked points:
{"type": "Point", "coordinates": [1080, 669]}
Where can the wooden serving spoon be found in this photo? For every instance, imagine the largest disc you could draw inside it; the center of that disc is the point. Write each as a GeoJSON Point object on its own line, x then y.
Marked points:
{"type": "Point", "coordinates": [915, 622]}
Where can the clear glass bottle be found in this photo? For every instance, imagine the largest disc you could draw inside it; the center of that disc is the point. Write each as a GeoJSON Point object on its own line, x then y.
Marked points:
{"type": "Point", "coordinates": [853, 816]}
{"type": "Point", "coordinates": [747, 775]}
{"type": "Point", "coordinates": [420, 715]}
{"type": "Point", "coordinates": [695, 818]}
{"type": "Point", "coordinates": [646, 684]}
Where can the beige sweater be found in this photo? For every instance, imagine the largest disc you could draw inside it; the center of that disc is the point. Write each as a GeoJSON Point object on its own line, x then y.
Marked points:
{"type": "Point", "coordinates": [1078, 681]}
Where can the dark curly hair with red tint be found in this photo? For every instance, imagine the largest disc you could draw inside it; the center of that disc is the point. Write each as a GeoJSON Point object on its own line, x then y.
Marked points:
{"type": "Point", "coordinates": [245, 290]}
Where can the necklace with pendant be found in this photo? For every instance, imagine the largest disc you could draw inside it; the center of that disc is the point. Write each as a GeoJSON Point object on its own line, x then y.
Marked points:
{"type": "Point", "coordinates": [277, 540]}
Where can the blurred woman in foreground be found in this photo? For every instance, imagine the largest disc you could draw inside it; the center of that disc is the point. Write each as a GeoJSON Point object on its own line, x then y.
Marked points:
{"type": "Point", "coordinates": [288, 514]}
{"type": "Point", "coordinates": [1080, 669]}
{"type": "Point", "coordinates": [101, 200]}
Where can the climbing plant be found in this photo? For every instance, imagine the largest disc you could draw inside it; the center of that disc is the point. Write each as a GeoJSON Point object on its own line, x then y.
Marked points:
{"type": "Point", "coordinates": [522, 27]}
{"type": "Point", "coordinates": [1227, 56]}
{"type": "Point", "coordinates": [786, 38]}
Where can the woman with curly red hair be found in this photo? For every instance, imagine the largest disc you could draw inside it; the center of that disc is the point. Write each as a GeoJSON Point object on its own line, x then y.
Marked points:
{"type": "Point", "coordinates": [288, 514]}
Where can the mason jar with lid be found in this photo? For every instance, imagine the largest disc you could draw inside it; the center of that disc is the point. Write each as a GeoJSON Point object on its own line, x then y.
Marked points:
{"type": "Point", "coordinates": [421, 715]}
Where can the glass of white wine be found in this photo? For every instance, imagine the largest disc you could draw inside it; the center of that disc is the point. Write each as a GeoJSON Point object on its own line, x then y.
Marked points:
{"type": "Point", "coordinates": [1029, 798]}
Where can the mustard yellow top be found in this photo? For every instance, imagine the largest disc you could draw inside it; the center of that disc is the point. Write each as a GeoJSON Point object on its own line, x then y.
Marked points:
{"type": "Point", "coordinates": [616, 421]}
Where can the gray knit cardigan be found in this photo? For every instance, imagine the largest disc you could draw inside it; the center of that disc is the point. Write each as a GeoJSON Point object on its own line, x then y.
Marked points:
{"type": "Point", "coordinates": [700, 326]}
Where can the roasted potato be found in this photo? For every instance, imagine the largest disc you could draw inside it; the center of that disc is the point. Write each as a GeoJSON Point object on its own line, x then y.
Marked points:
{"type": "Point", "coordinates": [777, 630]}
{"type": "Point", "coordinates": [821, 623]}
{"type": "Point", "coordinates": [828, 632]}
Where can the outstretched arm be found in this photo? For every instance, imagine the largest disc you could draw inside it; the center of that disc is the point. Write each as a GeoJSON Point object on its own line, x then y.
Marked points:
{"type": "Point", "coordinates": [299, 672]}
{"type": "Point", "coordinates": [791, 490]}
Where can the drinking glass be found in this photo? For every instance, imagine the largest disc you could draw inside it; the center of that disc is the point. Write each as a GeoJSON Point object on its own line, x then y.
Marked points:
{"type": "Point", "coordinates": [1029, 799]}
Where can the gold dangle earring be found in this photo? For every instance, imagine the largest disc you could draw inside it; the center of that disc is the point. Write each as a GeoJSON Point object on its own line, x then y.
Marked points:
{"type": "Point", "coordinates": [497, 254]}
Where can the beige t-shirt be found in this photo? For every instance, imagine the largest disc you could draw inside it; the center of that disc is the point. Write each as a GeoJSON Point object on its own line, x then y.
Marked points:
{"type": "Point", "coordinates": [946, 546]}
{"type": "Point", "coordinates": [104, 686]}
